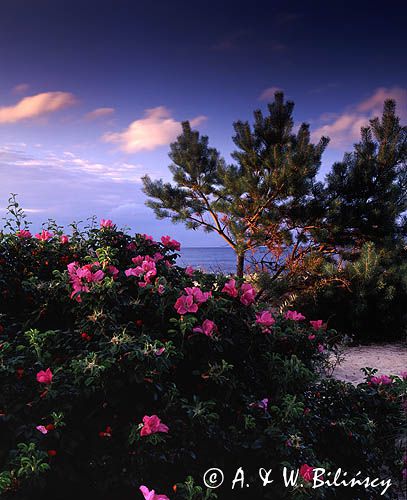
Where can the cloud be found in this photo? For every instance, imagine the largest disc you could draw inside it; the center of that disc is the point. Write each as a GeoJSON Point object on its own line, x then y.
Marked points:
{"type": "Point", "coordinates": [344, 128]}
{"type": "Point", "coordinates": [268, 93]}
{"type": "Point", "coordinates": [35, 106]}
{"type": "Point", "coordinates": [99, 113]}
{"type": "Point", "coordinates": [21, 88]}
{"type": "Point", "coordinates": [34, 210]}
{"type": "Point", "coordinates": [157, 128]}
{"type": "Point", "coordinates": [375, 102]}
{"type": "Point", "coordinates": [66, 187]}
{"type": "Point", "coordinates": [16, 157]}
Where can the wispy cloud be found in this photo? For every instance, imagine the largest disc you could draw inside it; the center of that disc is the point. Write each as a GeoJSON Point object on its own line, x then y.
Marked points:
{"type": "Point", "coordinates": [67, 187]}
{"type": "Point", "coordinates": [21, 88]}
{"type": "Point", "coordinates": [344, 128]}
{"type": "Point", "coordinates": [156, 128]}
{"type": "Point", "coordinates": [268, 93]}
{"type": "Point", "coordinates": [99, 113]}
{"type": "Point", "coordinates": [34, 210]}
{"type": "Point", "coordinates": [67, 161]}
{"type": "Point", "coordinates": [35, 106]}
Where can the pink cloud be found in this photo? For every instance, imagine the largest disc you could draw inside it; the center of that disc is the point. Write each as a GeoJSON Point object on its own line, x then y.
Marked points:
{"type": "Point", "coordinates": [35, 106]}
{"type": "Point", "coordinates": [156, 128]}
{"type": "Point", "coordinates": [99, 113]}
{"type": "Point", "coordinates": [21, 88]}
{"type": "Point", "coordinates": [344, 128]}
{"type": "Point", "coordinates": [375, 102]}
{"type": "Point", "coordinates": [268, 93]}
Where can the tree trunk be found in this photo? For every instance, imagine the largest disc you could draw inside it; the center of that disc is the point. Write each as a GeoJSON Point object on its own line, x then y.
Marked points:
{"type": "Point", "coordinates": [240, 265]}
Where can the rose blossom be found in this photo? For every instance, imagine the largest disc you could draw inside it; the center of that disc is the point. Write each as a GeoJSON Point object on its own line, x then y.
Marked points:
{"type": "Point", "coordinates": [230, 288]}
{"type": "Point", "coordinates": [248, 294]}
{"type": "Point", "coordinates": [44, 377]}
{"type": "Point", "coordinates": [44, 235]}
{"type": "Point", "coordinates": [170, 243]}
{"type": "Point", "coordinates": [294, 315]}
{"type": "Point", "coordinates": [265, 318]}
{"type": "Point", "coordinates": [23, 234]}
{"type": "Point", "coordinates": [207, 328]}
{"type": "Point", "coordinates": [152, 425]}
{"type": "Point", "coordinates": [317, 324]}
{"type": "Point", "coordinates": [151, 494]}
{"type": "Point", "coordinates": [106, 223]}
{"type": "Point", "coordinates": [307, 472]}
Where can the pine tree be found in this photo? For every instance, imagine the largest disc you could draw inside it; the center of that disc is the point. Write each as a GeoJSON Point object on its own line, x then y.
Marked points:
{"type": "Point", "coordinates": [265, 197]}
{"type": "Point", "coordinates": [367, 191]}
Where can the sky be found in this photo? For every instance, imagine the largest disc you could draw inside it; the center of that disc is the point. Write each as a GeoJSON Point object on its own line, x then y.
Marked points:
{"type": "Point", "coordinates": [93, 92]}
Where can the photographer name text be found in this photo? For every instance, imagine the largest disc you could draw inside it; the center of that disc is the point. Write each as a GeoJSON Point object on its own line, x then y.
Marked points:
{"type": "Point", "coordinates": [292, 478]}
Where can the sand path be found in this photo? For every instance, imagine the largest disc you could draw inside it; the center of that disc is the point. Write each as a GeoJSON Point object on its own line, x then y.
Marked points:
{"type": "Point", "coordinates": [389, 359]}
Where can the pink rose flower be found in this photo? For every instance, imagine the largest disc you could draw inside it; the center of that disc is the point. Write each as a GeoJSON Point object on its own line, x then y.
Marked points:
{"type": "Point", "coordinates": [265, 318]}
{"type": "Point", "coordinates": [190, 302]}
{"type": "Point", "coordinates": [158, 256]}
{"type": "Point", "coordinates": [131, 272]}
{"type": "Point", "coordinates": [170, 243]}
{"type": "Point", "coordinates": [131, 246]}
{"type": "Point", "coordinates": [307, 472]}
{"type": "Point", "coordinates": [263, 404]}
{"type": "Point", "coordinates": [106, 223]}
{"type": "Point", "coordinates": [381, 380]}
{"type": "Point", "coordinates": [64, 239]}
{"type": "Point", "coordinates": [207, 328]}
{"type": "Point", "coordinates": [185, 304]}
{"type": "Point", "coordinates": [44, 377]}
{"type": "Point", "coordinates": [311, 337]}
{"type": "Point", "coordinates": [230, 288]}
{"type": "Point", "coordinates": [23, 234]}
{"type": "Point", "coordinates": [42, 429]}
{"type": "Point", "coordinates": [151, 494]}
{"type": "Point", "coordinates": [247, 294]}
{"type": "Point", "coordinates": [317, 324]}
{"type": "Point", "coordinates": [145, 268]}
{"type": "Point", "coordinates": [199, 296]}
{"type": "Point", "coordinates": [113, 271]}
{"type": "Point", "coordinates": [189, 271]}
{"type": "Point", "coordinates": [80, 277]}
{"type": "Point", "coordinates": [294, 315]}
{"type": "Point", "coordinates": [138, 259]}
{"type": "Point", "coordinates": [152, 425]}
{"type": "Point", "coordinates": [44, 235]}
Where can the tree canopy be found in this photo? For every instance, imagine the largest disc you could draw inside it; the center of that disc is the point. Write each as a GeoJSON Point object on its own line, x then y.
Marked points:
{"type": "Point", "coordinates": [367, 190]}
{"type": "Point", "coordinates": [265, 197]}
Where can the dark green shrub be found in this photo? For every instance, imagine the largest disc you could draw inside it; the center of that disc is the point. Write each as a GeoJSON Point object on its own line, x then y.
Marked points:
{"type": "Point", "coordinates": [103, 330]}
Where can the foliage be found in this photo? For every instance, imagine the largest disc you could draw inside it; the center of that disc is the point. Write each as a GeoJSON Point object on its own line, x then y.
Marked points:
{"type": "Point", "coordinates": [372, 304]}
{"type": "Point", "coordinates": [101, 331]}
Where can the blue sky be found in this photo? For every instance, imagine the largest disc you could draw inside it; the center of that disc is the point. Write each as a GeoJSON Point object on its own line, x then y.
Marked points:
{"type": "Point", "coordinates": [92, 93]}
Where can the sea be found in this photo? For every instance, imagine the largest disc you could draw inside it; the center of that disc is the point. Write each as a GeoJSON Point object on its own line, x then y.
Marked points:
{"type": "Point", "coordinates": [209, 259]}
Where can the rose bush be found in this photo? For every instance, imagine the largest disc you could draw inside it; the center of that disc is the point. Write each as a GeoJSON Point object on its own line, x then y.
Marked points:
{"type": "Point", "coordinates": [124, 374]}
